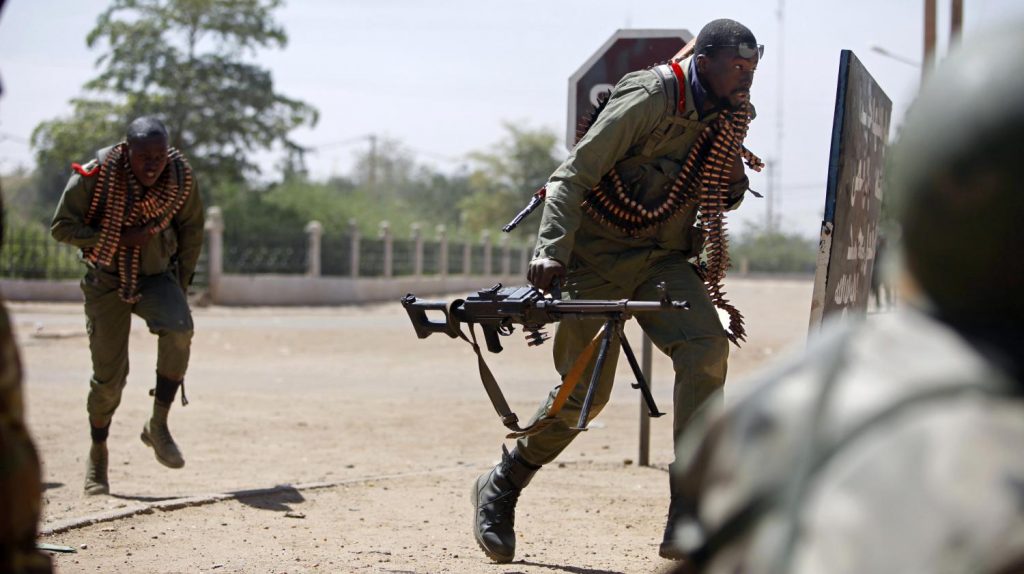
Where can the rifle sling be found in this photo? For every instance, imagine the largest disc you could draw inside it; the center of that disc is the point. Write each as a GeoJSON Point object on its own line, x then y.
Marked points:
{"type": "Point", "coordinates": [509, 418]}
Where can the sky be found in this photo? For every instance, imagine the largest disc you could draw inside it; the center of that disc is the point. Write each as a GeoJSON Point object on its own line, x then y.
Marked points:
{"type": "Point", "coordinates": [443, 77]}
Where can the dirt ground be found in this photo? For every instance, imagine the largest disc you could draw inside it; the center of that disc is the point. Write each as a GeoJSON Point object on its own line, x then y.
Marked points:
{"type": "Point", "coordinates": [333, 440]}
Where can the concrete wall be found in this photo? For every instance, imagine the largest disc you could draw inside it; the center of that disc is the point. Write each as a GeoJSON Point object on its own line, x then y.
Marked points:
{"type": "Point", "coordinates": [284, 290]}
{"type": "Point", "coordinates": [301, 290]}
{"type": "Point", "coordinates": [41, 290]}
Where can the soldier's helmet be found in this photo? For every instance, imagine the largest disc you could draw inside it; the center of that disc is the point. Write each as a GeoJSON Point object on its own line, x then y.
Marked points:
{"type": "Point", "coordinates": [956, 178]}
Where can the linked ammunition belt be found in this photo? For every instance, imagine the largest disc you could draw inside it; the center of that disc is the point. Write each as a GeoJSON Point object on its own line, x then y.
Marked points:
{"type": "Point", "coordinates": [703, 181]}
{"type": "Point", "coordinates": [119, 201]}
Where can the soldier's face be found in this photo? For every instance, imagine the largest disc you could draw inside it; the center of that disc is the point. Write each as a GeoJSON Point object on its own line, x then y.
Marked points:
{"type": "Point", "coordinates": [148, 158]}
{"type": "Point", "coordinates": [728, 75]}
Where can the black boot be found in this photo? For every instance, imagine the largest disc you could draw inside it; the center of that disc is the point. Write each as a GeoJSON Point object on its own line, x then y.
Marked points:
{"type": "Point", "coordinates": [155, 433]}
{"type": "Point", "coordinates": [96, 481]}
{"type": "Point", "coordinates": [494, 499]}
{"type": "Point", "coordinates": [677, 509]}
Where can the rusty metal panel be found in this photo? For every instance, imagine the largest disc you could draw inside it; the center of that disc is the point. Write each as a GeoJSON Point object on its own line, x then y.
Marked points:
{"type": "Point", "coordinates": [853, 197]}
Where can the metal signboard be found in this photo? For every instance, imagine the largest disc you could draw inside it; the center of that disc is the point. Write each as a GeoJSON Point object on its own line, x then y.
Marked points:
{"type": "Point", "coordinates": [853, 198]}
{"type": "Point", "coordinates": [626, 51]}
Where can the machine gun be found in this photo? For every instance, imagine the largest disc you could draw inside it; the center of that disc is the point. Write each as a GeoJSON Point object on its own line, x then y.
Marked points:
{"type": "Point", "coordinates": [497, 310]}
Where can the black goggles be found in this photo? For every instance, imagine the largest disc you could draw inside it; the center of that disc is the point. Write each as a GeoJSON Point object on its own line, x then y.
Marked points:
{"type": "Point", "coordinates": [745, 50]}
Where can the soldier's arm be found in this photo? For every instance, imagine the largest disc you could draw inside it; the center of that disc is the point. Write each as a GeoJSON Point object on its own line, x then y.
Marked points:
{"type": "Point", "coordinates": [632, 112]}
{"type": "Point", "coordinates": [739, 183]}
{"type": "Point", "coordinates": [68, 224]}
{"type": "Point", "coordinates": [189, 224]}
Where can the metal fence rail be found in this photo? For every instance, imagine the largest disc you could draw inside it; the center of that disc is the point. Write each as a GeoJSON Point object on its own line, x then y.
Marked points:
{"type": "Point", "coordinates": [30, 253]}
{"type": "Point", "coordinates": [336, 255]}
{"type": "Point", "coordinates": [277, 251]}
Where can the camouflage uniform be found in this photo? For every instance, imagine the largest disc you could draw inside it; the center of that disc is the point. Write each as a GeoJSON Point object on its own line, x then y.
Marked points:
{"type": "Point", "coordinates": [895, 445]}
{"type": "Point", "coordinates": [20, 482]}
{"type": "Point", "coordinates": [892, 430]}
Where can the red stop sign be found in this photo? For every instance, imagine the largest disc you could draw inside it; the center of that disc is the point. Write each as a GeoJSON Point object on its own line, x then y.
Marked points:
{"type": "Point", "coordinates": [626, 51]}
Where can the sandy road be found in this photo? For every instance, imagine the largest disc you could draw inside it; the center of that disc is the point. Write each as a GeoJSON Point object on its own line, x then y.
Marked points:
{"type": "Point", "coordinates": [392, 430]}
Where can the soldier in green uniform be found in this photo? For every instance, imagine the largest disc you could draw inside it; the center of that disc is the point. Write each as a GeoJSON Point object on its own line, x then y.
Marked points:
{"type": "Point", "coordinates": [136, 214]}
{"type": "Point", "coordinates": [639, 147]}
{"type": "Point", "coordinates": [20, 484]}
{"type": "Point", "coordinates": [894, 444]}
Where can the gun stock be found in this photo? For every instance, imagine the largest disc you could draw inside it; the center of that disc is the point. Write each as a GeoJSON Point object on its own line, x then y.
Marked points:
{"type": "Point", "coordinates": [422, 324]}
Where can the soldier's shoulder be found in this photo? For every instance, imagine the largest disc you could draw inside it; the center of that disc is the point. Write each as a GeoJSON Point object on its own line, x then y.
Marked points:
{"type": "Point", "coordinates": [90, 168]}
{"type": "Point", "coordinates": [646, 79]}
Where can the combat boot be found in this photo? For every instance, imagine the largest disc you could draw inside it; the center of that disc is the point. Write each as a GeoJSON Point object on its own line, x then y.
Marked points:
{"type": "Point", "coordinates": [96, 481]}
{"type": "Point", "coordinates": [156, 434]}
{"type": "Point", "coordinates": [677, 509]}
{"type": "Point", "coordinates": [494, 497]}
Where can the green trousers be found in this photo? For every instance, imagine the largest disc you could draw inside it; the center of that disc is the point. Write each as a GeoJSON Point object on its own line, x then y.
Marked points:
{"type": "Point", "coordinates": [164, 307]}
{"type": "Point", "coordinates": [694, 339]}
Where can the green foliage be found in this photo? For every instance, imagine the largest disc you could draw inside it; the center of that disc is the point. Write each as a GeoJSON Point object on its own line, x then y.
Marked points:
{"type": "Point", "coordinates": [773, 251]}
{"type": "Point", "coordinates": [504, 178]}
{"type": "Point", "coordinates": [388, 185]}
{"type": "Point", "coordinates": [30, 253]}
{"type": "Point", "coordinates": [94, 124]}
{"type": "Point", "coordinates": [187, 62]}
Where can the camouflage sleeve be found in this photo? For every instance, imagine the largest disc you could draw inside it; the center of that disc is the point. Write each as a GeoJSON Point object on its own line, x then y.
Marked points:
{"type": "Point", "coordinates": [632, 112]}
{"type": "Point", "coordinates": [20, 475]}
{"type": "Point", "coordinates": [68, 224]}
{"type": "Point", "coordinates": [737, 191]}
{"type": "Point", "coordinates": [189, 224]}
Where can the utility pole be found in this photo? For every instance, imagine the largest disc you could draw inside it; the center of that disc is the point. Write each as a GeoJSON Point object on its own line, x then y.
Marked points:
{"type": "Point", "coordinates": [372, 179]}
{"type": "Point", "coordinates": [956, 20]}
{"type": "Point", "coordinates": [776, 169]}
{"type": "Point", "coordinates": [929, 38]}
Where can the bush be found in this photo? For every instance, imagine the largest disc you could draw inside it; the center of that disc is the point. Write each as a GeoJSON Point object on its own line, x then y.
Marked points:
{"type": "Point", "coordinates": [772, 251]}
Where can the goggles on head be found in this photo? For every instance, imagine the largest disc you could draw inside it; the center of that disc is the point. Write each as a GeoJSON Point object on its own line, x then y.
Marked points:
{"type": "Point", "coordinates": [745, 50]}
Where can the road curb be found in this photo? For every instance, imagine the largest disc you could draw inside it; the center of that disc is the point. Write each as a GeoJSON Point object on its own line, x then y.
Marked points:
{"type": "Point", "coordinates": [172, 504]}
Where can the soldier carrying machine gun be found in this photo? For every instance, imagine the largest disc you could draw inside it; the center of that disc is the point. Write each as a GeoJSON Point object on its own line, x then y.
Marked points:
{"type": "Point", "coordinates": [499, 308]}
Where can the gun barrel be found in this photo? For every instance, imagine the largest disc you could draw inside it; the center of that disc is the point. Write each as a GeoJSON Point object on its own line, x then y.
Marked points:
{"type": "Point", "coordinates": [597, 307]}
{"type": "Point", "coordinates": [535, 201]}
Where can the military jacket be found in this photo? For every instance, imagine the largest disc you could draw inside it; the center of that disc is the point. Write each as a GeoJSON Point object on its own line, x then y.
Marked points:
{"type": "Point", "coordinates": [181, 241]}
{"type": "Point", "coordinates": [640, 134]}
{"type": "Point", "coordinates": [892, 446]}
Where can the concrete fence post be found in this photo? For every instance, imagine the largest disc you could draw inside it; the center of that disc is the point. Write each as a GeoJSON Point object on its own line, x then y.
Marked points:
{"type": "Point", "coordinates": [417, 254]}
{"type": "Point", "coordinates": [353, 255]}
{"type": "Point", "coordinates": [215, 256]}
{"type": "Point", "coordinates": [506, 256]}
{"type": "Point", "coordinates": [389, 251]}
{"type": "Point", "coordinates": [467, 258]}
{"type": "Point", "coordinates": [314, 238]}
{"type": "Point", "coordinates": [442, 251]}
{"type": "Point", "coordinates": [486, 240]}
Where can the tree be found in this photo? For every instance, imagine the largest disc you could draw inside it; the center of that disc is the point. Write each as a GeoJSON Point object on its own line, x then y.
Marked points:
{"type": "Point", "coordinates": [187, 62]}
{"type": "Point", "coordinates": [504, 179]}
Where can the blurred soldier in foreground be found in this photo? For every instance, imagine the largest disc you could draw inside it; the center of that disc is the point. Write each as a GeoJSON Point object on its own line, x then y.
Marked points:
{"type": "Point", "coordinates": [135, 213]}
{"type": "Point", "coordinates": [20, 482]}
{"type": "Point", "coordinates": [20, 475]}
{"type": "Point", "coordinates": [895, 445]}
{"type": "Point", "coordinates": [619, 220]}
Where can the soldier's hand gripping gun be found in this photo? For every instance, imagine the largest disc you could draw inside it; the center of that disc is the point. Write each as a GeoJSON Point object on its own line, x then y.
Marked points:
{"type": "Point", "coordinates": [498, 309]}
